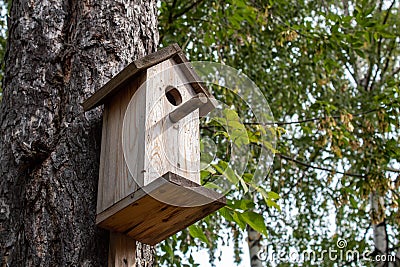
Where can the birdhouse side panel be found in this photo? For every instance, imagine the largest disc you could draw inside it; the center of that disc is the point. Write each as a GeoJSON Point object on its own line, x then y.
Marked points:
{"type": "Point", "coordinates": [115, 180]}
{"type": "Point", "coordinates": [134, 135]}
{"type": "Point", "coordinates": [170, 147]}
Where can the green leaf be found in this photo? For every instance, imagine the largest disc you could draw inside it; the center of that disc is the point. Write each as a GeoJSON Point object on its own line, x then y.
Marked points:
{"type": "Point", "coordinates": [223, 168]}
{"type": "Point", "coordinates": [243, 184]}
{"type": "Point", "coordinates": [269, 197]}
{"type": "Point", "coordinates": [226, 213]}
{"type": "Point", "coordinates": [242, 204]}
{"type": "Point", "coordinates": [237, 217]}
{"type": "Point", "coordinates": [248, 177]}
{"type": "Point", "coordinates": [353, 202]}
{"type": "Point", "coordinates": [272, 203]}
{"type": "Point", "coordinates": [219, 120]}
{"type": "Point", "coordinates": [212, 185]}
{"type": "Point", "coordinates": [197, 232]}
{"type": "Point", "coordinates": [273, 195]}
{"type": "Point", "coordinates": [256, 221]}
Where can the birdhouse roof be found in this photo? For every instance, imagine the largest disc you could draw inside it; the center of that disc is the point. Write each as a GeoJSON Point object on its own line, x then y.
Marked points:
{"type": "Point", "coordinates": [133, 69]}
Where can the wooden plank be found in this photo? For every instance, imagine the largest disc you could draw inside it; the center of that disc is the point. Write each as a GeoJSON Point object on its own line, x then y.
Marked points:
{"type": "Point", "coordinates": [154, 145]}
{"type": "Point", "coordinates": [115, 180]}
{"type": "Point", "coordinates": [116, 83]}
{"type": "Point", "coordinates": [187, 107]}
{"type": "Point", "coordinates": [170, 147]}
{"type": "Point", "coordinates": [190, 74]}
{"type": "Point", "coordinates": [148, 215]}
{"type": "Point", "coordinates": [122, 251]}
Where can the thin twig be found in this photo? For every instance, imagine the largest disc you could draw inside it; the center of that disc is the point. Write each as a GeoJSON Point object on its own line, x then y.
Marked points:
{"type": "Point", "coordinates": [395, 72]}
{"type": "Point", "coordinates": [369, 86]}
{"type": "Point", "coordinates": [320, 168]}
{"type": "Point", "coordinates": [392, 170]}
{"type": "Point", "coordinates": [308, 120]}
{"type": "Point", "coordinates": [312, 158]}
{"type": "Point", "coordinates": [386, 66]}
{"type": "Point", "coordinates": [353, 75]}
{"type": "Point", "coordinates": [187, 9]}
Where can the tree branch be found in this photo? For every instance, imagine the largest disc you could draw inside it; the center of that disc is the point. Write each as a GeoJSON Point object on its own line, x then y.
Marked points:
{"type": "Point", "coordinates": [395, 71]}
{"type": "Point", "coordinates": [369, 84]}
{"type": "Point", "coordinates": [187, 9]}
{"type": "Point", "coordinates": [386, 66]}
{"type": "Point", "coordinates": [318, 167]}
{"type": "Point", "coordinates": [345, 7]}
{"type": "Point", "coordinates": [388, 12]}
{"type": "Point", "coordinates": [308, 120]}
{"type": "Point", "coordinates": [312, 158]}
{"type": "Point", "coordinates": [353, 75]}
{"type": "Point", "coordinates": [170, 18]}
{"type": "Point", "coordinates": [392, 170]}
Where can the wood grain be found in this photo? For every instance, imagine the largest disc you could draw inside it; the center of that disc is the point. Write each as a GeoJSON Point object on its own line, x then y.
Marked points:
{"type": "Point", "coordinates": [119, 81]}
{"type": "Point", "coordinates": [122, 250]}
{"type": "Point", "coordinates": [132, 215]}
{"type": "Point", "coordinates": [187, 107]}
{"type": "Point", "coordinates": [195, 81]}
{"type": "Point", "coordinates": [169, 146]}
{"type": "Point", "coordinates": [115, 180]}
{"type": "Point", "coordinates": [132, 198]}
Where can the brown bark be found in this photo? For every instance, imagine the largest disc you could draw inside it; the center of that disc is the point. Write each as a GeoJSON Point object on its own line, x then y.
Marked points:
{"type": "Point", "coordinates": [59, 52]}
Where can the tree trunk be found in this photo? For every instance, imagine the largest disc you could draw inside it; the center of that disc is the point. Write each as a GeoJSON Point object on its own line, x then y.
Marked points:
{"type": "Point", "coordinates": [254, 244]}
{"type": "Point", "coordinates": [59, 52]}
{"type": "Point", "coordinates": [379, 227]}
{"type": "Point", "coordinates": [381, 239]}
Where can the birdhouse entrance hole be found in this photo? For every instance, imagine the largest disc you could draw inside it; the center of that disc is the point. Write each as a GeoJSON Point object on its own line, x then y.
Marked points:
{"type": "Point", "coordinates": [173, 95]}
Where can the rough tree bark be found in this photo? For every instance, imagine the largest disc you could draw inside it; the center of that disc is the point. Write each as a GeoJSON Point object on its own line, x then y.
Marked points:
{"type": "Point", "coordinates": [254, 244]}
{"type": "Point", "coordinates": [379, 226]}
{"type": "Point", "coordinates": [59, 52]}
{"type": "Point", "coordinates": [381, 239]}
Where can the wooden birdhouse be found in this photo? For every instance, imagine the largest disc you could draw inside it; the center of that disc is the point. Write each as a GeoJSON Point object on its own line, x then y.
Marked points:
{"type": "Point", "coordinates": [149, 180]}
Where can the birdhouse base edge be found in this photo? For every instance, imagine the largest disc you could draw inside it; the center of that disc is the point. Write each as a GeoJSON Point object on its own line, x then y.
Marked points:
{"type": "Point", "coordinates": [160, 209]}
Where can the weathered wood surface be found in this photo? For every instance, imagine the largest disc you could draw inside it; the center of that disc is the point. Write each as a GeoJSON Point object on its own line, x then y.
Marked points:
{"type": "Point", "coordinates": [196, 82]}
{"type": "Point", "coordinates": [119, 81]}
{"type": "Point", "coordinates": [129, 72]}
{"type": "Point", "coordinates": [59, 53]}
{"type": "Point", "coordinates": [170, 147]}
{"type": "Point", "coordinates": [147, 215]}
{"type": "Point", "coordinates": [115, 180]}
{"type": "Point", "coordinates": [122, 250]}
{"type": "Point", "coordinates": [153, 144]}
{"type": "Point", "coordinates": [187, 107]}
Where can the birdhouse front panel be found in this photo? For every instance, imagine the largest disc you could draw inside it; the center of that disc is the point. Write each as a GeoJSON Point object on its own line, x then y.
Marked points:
{"type": "Point", "coordinates": [170, 146]}
{"type": "Point", "coordinates": [153, 144]}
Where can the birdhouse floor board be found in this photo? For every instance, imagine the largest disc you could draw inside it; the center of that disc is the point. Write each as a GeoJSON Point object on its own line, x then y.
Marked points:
{"type": "Point", "coordinates": [160, 209]}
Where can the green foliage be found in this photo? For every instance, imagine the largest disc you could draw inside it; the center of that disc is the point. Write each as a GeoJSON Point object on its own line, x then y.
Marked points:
{"type": "Point", "coordinates": [4, 6]}
{"type": "Point", "coordinates": [330, 71]}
